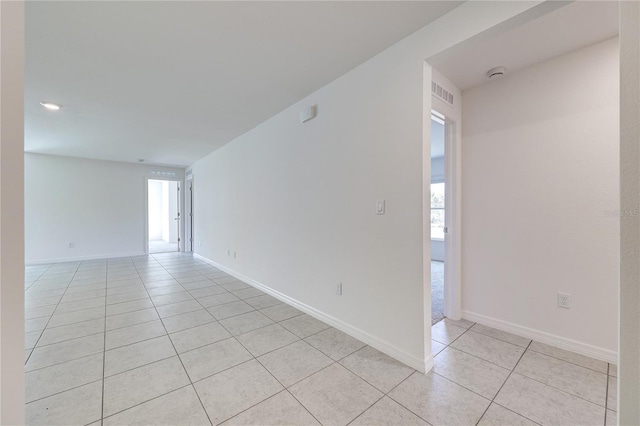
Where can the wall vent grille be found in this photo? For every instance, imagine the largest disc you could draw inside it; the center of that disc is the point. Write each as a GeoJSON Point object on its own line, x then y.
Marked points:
{"type": "Point", "coordinates": [163, 173]}
{"type": "Point", "coordinates": [441, 93]}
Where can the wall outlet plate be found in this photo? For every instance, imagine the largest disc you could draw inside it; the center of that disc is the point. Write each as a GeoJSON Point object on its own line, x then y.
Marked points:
{"type": "Point", "coordinates": [339, 289]}
{"type": "Point", "coordinates": [564, 300]}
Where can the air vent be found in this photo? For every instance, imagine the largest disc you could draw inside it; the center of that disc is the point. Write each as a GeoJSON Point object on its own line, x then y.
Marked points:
{"type": "Point", "coordinates": [441, 93]}
{"type": "Point", "coordinates": [163, 173]}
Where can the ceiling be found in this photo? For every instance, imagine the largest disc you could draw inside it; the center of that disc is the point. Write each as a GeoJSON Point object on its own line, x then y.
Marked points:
{"type": "Point", "coordinates": [571, 27]}
{"type": "Point", "coordinates": [170, 82]}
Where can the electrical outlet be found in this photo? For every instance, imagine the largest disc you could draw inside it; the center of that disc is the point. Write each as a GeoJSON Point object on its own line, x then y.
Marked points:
{"type": "Point", "coordinates": [228, 252]}
{"type": "Point", "coordinates": [71, 244]}
{"type": "Point", "coordinates": [339, 289]}
{"type": "Point", "coordinates": [234, 254]}
{"type": "Point", "coordinates": [564, 300]}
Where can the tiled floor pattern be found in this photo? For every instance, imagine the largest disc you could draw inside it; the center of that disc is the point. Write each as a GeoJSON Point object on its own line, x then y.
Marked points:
{"type": "Point", "coordinates": [161, 246]}
{"type": "Point", "coordinates": [168, 339]}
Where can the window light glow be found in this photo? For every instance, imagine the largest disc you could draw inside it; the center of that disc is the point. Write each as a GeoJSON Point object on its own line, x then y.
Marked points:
{"type": "Point", "coordinates": [50, 105]}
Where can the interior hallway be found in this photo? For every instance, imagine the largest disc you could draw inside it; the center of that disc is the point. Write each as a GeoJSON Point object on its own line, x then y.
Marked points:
{"type": "Point", "coordinates": [169, 339]}
{"type": "Point", "coordinates": [161, 246]}
{"type": "Point", "coordinates": [437, 291]}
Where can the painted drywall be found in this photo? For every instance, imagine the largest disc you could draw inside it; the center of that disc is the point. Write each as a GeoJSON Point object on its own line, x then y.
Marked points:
{"type": "Point", "coordinates": [296, 202]}
{"type": "Point", "coordinates": [12, 213]}
{"type": "Point", "coordinates": [629, 300]}
{"type": "Point", "coordinates": [540, 185]}
{"type": "Point", "coordinates": [98, 206]}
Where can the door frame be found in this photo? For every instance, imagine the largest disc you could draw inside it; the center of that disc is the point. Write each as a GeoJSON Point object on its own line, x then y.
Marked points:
{"type": "Point", "coordinates": [452, 239]}
{"type": "Point", "coordinates": [188, 214]}
{"type": "Point", "coordinates": [453, 221]}
{"type": "Point", "coordinates": [146, 210]}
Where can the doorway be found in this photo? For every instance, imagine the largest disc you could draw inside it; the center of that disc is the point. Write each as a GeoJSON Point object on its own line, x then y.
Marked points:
{"type": "Point", "coordinates": [438, 196]}
{"type": "Point", "coordinates": [188, 214]}
{"type": "Point", "coordinates": [163, 216]}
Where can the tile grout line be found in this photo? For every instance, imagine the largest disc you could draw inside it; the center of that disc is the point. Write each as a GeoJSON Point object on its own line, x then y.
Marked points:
{"type": "Point", "coordinates": [256, 358]}
{"type": "Point", "coordinates": [104, 348]}
{"type": "Point", "coordinates": [476, 356]}
{"type": "Point", "coordinates": [63, 391]}
{"type": "Point", "coordinates": [504, 383]}
{"type": "Point", "coordinates": [299, 339]}
{"type": "Point", "coordinates": [50, 318]}
{"type": "Point", "coordinates": [606, 395]}
{"type": "Point", "coordinates": [400, 403]}
{"type": "Point", "coordinates": [39, 276]}
{"type": "Point", "coordinates": [144, 402]}
{"type": "Point", "coordinates": [287, 388]}
{"type": "Point", "coordinates": [525, 350]}
{"type": "Point", "coordinates": [151, 338]}
{"type": "Point", "coordinates": [254, 310]}
{"type": "Point", "coordinates": [178, 356]}
{"type": "Point", "coordinates": [284, 388]}
{"type": "Point", "coordinates": [482, 359]}
{"type": "Point", "coordinates": [570, 362]}
{"type": "Point", "coordinates": [560, 390]}
{"type": "Point", "coordinates": [266, 353]}
{"type": "Point", "coordinates": [534, 350]}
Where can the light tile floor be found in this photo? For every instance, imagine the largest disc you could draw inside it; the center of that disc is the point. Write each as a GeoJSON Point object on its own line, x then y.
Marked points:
{"type": "Point", "coordinates": [168, 339]}
{"type": "Point", "coordinates": [161, 246]}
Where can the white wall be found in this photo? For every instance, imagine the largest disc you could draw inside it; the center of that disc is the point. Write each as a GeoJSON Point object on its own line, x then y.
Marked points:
{"type": "Point", "coordinates": [99, 206]}
{"type": "Point", "coordinates": [12, 213]}
{"type": "Point", "coordinates": [297, 202]}
{"type": "Point", "coordinates": [629, 302]}
{"type": "Point", "coordinates": [540, 156]}
{"type": "Point", "coordinates": [155, 210]}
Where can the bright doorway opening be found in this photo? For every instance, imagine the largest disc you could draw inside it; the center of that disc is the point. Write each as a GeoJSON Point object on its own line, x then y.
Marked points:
{"type": "Point", "coordinates": [438, 216]}
{"type": "Point", "coordinates": [163, 215]}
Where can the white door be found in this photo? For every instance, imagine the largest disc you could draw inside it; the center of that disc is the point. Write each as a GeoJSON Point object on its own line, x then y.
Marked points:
{"type": "Point", "coordinates": [188, 223]}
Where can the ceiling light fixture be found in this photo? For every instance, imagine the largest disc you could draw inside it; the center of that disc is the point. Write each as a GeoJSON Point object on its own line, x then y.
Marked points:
{"type": "Point", "coordinates": [141, 160]}
{"type": "Point", "coordinates": [50, 105]}
{"type": "Point", "coordinates": [496, 72]}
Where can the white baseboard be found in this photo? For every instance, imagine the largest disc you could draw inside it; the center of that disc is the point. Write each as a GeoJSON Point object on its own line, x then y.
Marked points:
{"type": "Point", "coordinates": [79, 258]}
{"type": "Point", "coordinates": [373, 341]}
{"type": "Point", "coordinates": [544, 337]}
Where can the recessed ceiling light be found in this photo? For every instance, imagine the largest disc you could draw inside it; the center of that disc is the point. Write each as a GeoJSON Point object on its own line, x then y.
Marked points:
{"type": "Point", "coordinates": [50, 105]}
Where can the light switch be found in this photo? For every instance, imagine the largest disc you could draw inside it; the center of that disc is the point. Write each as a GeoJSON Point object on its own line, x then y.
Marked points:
{"type": "Point", "coordinates": [380, 207]}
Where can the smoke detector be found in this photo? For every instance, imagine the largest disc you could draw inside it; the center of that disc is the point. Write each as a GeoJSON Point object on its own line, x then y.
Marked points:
{"type": "Point", "coordinates": [496, 72]}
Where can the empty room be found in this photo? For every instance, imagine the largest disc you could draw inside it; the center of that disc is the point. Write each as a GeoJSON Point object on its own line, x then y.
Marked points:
{"type": "Point", "coordinates": [334, 213]}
